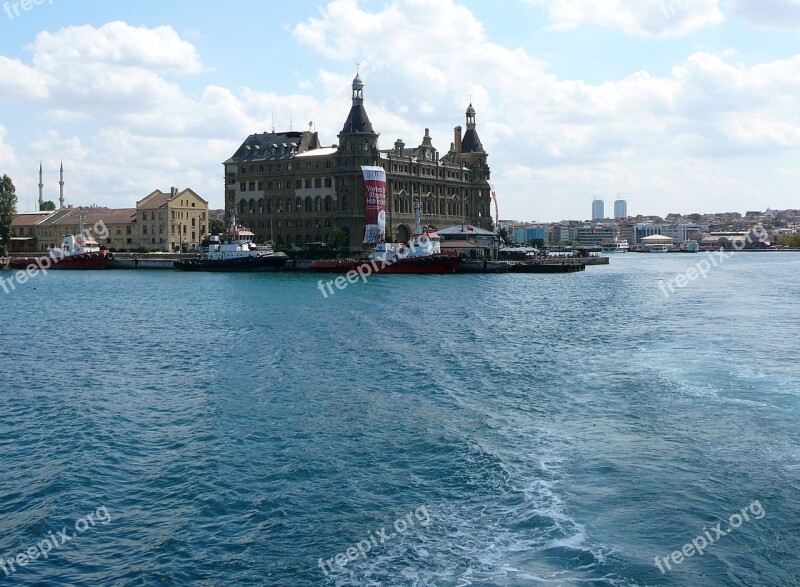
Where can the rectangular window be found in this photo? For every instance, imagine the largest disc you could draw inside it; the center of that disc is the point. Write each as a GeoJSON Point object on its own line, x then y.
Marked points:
{"type": "Point", "coordinates": [298, 183]}
{"type": "Point", "coordinates": [192, 222]}
{"type": "Point", "coordinates": [193, 237]}
{"type": "Point", "coordinates": [261, 169]}
{"type": "Point", "coordinates": [242, 187]}
{"type": "Point", "coordinates": [144, 229]}
{"type": "Point", "coordinates": [308, 183]}
{"type": "Point", "coordinates": [252, 186]}
{"type": "Point", "coordinates": [269, 185]}
{"type": "Point", "coordinates": [261, 186]}
{"type": "Point", "coordinates": [318, 183]}
{"type": "Point", "coordinates": [328, 182]}
{"type": "Point", "coordinates": [243, 169]}
{"type": "Point", "coordinates": [280, 185]}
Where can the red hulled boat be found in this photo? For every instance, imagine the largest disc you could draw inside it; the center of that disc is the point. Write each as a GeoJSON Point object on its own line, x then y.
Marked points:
{"type": "Point", "coordinates": [77, 251]}
{"type": "Point", "coordinates": [422, 255]}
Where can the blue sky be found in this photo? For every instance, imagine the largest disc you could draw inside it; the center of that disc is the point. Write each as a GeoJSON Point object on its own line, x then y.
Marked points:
{"type": "Point", "coordinates": [681, 105]}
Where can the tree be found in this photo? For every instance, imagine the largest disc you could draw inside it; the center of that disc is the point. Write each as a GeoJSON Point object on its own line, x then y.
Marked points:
{"type": "Point", "coordinates": [47, 206]}
{"type": "Point", "coordinates": [505, 236]}
{"type": "Point", "coordinates": [537, 242]}
{"type": "Point", "coordinates": [792, 241]}
{"type": "Point", "coordinates": [216, 226]}
{"type": "Point", "coordinates": [337, 239]}
{"type": "Point", "coordinates": [8, 209]}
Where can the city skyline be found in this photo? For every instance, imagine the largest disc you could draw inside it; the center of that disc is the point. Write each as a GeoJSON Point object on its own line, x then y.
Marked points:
{"type": "Point", "coordinates": [683, 107]}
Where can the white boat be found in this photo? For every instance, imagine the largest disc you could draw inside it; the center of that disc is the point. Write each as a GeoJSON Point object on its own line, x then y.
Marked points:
{"type": "Point", "coordinates": [235, 252]}
{"type": "Point", "coordinates": [690, 246]}
{"type": "Point", "coordinates": [658, 249]}
{"type": "Point", "coordinates": [615, 246]}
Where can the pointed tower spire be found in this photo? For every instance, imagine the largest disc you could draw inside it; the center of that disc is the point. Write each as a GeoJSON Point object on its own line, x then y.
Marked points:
{"type": "Point", "coordinates": [41, 186]}
{"type": "Point", "coordinates": [61, 186]}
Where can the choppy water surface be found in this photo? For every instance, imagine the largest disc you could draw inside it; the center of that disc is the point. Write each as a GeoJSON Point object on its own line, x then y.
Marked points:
{"type": "Point", "coordinates": [506, 430]}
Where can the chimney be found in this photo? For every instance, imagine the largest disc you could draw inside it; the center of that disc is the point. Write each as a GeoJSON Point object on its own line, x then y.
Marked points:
{"type": "Point", "coordinates": [457, 138]}
{"type": "Point", "coordinates": [173, 191]}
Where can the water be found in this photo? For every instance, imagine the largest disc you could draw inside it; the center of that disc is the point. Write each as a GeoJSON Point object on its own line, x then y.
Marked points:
{"type": "Point", "coordinates": [525, 429]}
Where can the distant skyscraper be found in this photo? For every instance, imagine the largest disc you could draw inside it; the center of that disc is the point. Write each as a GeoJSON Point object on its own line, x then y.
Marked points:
{"type": "Point", "coordinates": [598, 207]}
{"type": "Point", "coordinates": [620, 209]}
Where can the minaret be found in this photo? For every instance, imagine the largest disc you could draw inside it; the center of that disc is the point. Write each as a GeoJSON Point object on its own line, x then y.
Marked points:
{"type": "Point", "coordinates": [41, 187]}
{"type": "Point", "coordinates": [61, 187]}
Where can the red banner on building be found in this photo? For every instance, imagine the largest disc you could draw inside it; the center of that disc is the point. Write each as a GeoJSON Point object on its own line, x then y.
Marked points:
{"type": "Point", "coordinates": [375, 199]}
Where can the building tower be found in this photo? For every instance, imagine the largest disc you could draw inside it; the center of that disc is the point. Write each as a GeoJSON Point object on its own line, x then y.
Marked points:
{"type": "Point", "coordinates": [620, 209]}
{"type": "Point", "coordinates": [357, 134]}
{"type": "Point", "coordinates": [41, 187]}
{"type": "Point", "coordinates": [598, 209]}
{"type": "Point", "coordinates": [61, 187]}
{"type": "Point", "coordinates": [470, 153]}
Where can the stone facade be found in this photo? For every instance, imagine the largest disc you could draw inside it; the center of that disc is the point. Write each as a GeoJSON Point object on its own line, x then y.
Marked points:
{"type": "Point", "coordinates": [289, 189]}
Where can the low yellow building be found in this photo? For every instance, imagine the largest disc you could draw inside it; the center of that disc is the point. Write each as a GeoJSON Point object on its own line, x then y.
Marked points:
{"type": "Point", "coordinates": [160, 221]}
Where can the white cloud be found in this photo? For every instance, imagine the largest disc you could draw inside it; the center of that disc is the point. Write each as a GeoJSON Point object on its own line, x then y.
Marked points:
{"type": "Point", "coordinates": [778, 14]}
{"type": "Point", "coordinates": [642, 18]}
{"type": "Point", "coordinates": [572, 136]}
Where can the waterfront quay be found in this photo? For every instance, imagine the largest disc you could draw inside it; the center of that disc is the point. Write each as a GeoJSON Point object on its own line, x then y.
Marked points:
{"type": "Point", "coordinates": [155, 261]}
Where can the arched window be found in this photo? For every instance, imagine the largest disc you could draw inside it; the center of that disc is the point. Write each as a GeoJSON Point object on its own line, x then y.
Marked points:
{"type": "Point", "coordinates": [299, 204]}
{"type": "Point", "coordinates": [252, 205]}
{"type": "Point", "coordinates": [279, 205]}
{"type": "Point", "coordinates": [261, 205]}
{"type": "Point", "coordinates": [298, 239]}
{"type": "Point", "coordinates": [328, 203]}
{"type": "Point", "coordinates": [242, 206]}
{"type": "Point", "coordinates": [481, 211]}
{"type": "Point", "coordinates": [269, 206]}
{"type": "Point", "coordinates": [317, 204]}
{"type": "Point", "coordinates": [308, 204]}
{"type": "Point", "coordinates": [289, 203]}
{"type": "Point", "coordinates": [345, 203]}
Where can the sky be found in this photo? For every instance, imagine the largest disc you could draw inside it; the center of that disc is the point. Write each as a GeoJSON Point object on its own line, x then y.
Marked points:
{"type": "Point", "coordinates": [674, 105]}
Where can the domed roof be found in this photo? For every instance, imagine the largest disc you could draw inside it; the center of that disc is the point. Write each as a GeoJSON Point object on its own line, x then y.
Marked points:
{"type": "Point", "coordinates": [470, 110]}
{"type": "Point", "coordinates": [357, 83]}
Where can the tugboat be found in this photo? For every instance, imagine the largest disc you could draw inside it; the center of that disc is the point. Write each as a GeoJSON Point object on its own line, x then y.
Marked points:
{"type": "Point", "coordinates": [422, 255]}
{"type": "Point", "coordinates": [235, 252]}
{"type": "Point", "coordinates": [77, 251]}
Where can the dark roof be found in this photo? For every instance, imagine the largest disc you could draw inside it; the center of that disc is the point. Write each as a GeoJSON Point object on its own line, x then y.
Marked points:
{"type": "Point", "coordinates": [471, 143]}
{"type": "Point", "coordinates": [357, 121]}
{"type": "Point", "coordinates": [263, 146]}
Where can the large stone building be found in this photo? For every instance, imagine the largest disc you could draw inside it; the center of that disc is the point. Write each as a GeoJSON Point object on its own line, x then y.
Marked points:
{"type": "Point", "coordinates": [289, 189]}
